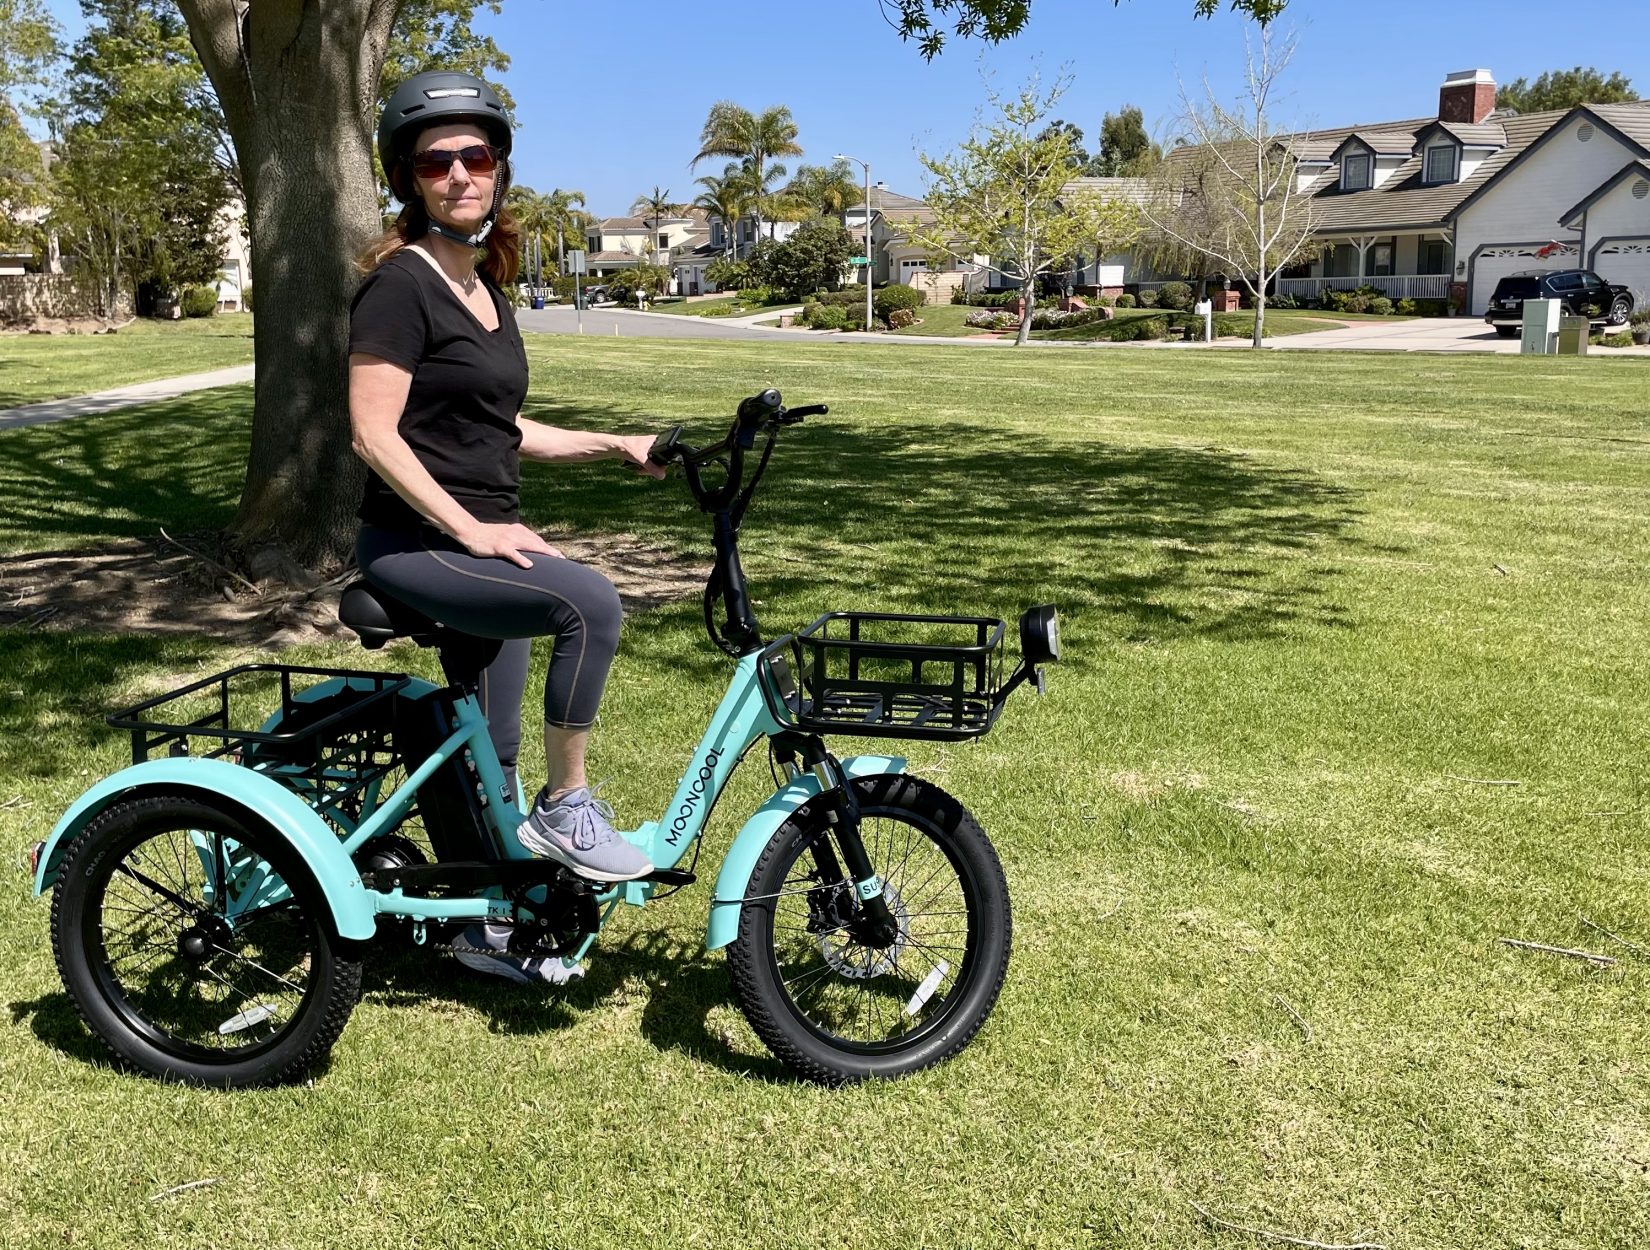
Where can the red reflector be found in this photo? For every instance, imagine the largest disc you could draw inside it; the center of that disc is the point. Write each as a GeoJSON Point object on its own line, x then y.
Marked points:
{"type": "Point", "coordinates": [35, 852]}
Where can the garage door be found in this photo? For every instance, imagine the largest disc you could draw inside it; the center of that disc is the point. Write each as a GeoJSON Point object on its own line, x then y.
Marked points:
{"type": "Point", "coordinates": [1495, 263]}
{"type": "Point", "coordinates": [910, 270]}
{"type": "Point", "coordinates": [1626, 261]}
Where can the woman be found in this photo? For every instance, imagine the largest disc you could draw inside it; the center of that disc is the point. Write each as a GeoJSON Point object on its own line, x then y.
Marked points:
{"type": "Point", "coordinates": [437, 375]}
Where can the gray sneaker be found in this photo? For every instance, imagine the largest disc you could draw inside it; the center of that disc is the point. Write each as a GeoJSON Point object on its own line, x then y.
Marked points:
{"type": "Point", "coordinates": [577, 830]}
{"type": "Point", "coordinates": [484, 947]}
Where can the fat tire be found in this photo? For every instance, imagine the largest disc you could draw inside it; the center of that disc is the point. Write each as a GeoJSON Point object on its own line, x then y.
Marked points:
{"type": "Point", "coordinates": [325, 1012]}
{"type": "Point", "coordinates": [756, 980]}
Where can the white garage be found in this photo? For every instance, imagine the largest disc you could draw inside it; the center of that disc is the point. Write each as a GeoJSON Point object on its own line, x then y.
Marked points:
{"type": "Point", "coordinates": [1496, 261]}
{"type": "Point", "coordinates": [1627, 262]}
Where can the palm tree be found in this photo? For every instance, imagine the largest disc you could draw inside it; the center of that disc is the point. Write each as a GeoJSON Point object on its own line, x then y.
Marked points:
{"type": "Point", "coordinates": [727, 197]}
{"type": "Point", "coordinates": [568, 219]}
{"type": "Point", "coordinates": [823, 190]}
{"type": "Point", "coordinates": [533, 212]}
{"type": "Point", "coordinates": [657, 205]}
{"type": "Point", "coordinates": [754, 138]}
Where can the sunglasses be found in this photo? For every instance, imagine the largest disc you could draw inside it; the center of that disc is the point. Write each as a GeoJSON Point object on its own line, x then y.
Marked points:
{"type": "Point", "coordinates": [479, 158]}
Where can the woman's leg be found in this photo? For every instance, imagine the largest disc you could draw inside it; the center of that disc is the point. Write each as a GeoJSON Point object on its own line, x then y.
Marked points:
{"type": "Point", "coordinates": [497, 599]}
{"type": "Point", "coordinates": [500, 689]}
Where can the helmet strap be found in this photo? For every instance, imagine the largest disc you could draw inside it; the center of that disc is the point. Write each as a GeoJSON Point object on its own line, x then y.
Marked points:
{"type": "Point", "coordinates": [469, 240]}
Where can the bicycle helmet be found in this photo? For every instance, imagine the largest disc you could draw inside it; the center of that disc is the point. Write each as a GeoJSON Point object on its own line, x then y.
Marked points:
{"type": "Point", "coordinates": [437, 98]}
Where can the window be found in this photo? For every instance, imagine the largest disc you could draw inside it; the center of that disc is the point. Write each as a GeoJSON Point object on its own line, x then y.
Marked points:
{"type": "Point", "coordinates": [664, 239]}
{"type": "Point", "coordinates": [1355, 173]}
{"type": "Point", "coordinates": [1441, 163]}
{"type": "Point", "coordinates": [1434, 257]}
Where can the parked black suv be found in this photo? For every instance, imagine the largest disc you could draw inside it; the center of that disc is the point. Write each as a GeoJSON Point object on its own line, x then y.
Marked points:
{"type": "Point", "coordinates": [1584, 293]}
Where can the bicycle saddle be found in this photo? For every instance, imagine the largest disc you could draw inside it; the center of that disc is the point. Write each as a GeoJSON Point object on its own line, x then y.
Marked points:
{"type": "Point", "coordinates": [377, 617]}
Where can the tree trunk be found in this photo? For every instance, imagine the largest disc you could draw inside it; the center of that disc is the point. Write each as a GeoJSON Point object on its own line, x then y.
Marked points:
{"type": "Point", "coordinates": [298, 80]}
{"type": "Point", "coordinates": [1028, 293]}
{"type": "Point", "coordinates": [1260, 314]}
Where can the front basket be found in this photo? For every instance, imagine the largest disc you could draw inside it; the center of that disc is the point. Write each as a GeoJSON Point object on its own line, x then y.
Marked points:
{"type": "Point", "coordinates": [892, 675]}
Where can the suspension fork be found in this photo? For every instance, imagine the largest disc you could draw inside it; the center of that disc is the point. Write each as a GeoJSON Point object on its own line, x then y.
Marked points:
{"type": "Point", "coordinates": [874, 922]}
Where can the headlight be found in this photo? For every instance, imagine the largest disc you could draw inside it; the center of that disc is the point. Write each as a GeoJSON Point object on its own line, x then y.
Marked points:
{"type": "Point", "coordinates": [1040, 636]}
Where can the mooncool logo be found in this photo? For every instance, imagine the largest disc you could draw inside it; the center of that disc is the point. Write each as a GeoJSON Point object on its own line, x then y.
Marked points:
{"type": "Point", "coordinates": [696, 793]}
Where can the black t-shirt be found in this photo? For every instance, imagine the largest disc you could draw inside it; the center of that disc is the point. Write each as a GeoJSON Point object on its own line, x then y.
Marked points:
{"type": "Point", "coordinates": [467, 387]}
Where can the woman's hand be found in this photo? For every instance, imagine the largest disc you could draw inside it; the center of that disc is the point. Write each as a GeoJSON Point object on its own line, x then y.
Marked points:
{"type": "Point", "coordinates": [633, 449]}
{"type": "Point", "coordinates": [513, 542]}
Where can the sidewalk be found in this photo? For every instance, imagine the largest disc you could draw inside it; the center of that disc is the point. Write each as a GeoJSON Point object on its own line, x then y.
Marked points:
{"type": "Point", "coordinates": [121, 397]}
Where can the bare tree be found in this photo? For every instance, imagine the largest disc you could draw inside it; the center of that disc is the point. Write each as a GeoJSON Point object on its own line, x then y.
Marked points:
{"type": "Point", "coordinates": [1006, 194]}
{"type": "Point", "coordinates": [1230, 194]}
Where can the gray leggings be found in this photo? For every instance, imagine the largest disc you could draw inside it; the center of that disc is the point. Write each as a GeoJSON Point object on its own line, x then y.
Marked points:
{"type": "Point", "coordinates": [493, 598]}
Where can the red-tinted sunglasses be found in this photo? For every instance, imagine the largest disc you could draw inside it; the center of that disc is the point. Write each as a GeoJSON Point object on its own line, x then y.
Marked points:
{"type": "Point", "coordinates": [478, 158]}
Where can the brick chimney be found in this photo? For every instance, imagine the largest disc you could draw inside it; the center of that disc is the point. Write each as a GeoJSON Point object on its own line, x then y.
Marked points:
{"type": "Point", "coordinates": [1467, 96]}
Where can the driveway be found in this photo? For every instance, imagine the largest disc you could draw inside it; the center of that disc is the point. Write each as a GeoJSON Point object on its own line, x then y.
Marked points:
{"type": "Point", "coordinates": [1426, 334]}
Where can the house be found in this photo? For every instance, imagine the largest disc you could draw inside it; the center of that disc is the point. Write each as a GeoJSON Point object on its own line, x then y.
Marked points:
{"type": "Point", "coordinates": [894, 257]}
{"type": "Point", "coordinates": [690, 259]}
{"type": "Point", "coordinates": [616, 243]}
{"type": "Point", "coordinates": [236, 272]}
{"type": "Point", "coordinates": [1110, 273]}
{"type": "Point", "coordinates": [1443, 207]}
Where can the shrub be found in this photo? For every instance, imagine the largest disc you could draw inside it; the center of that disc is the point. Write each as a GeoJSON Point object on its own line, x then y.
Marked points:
{"type": "Point", "coordinates": [1053, 319]}
{"type": "Point", "coordinates": [1174, 295]}
{"type": "Point", "coordinates": [900, 318]}
{"type": "Point", "coordinates": [986, 299]}
{"type": "Point", "coordinates": [817, 316]}
{"type": "Point", "coordinates": [1381, 306]}
{"type": "Point", "coordinates": [199, 301]}
{"type": "Point", "coordinates": [246, 297]}
{"type": "Point", "coordinates": [991, 319]}
{"type": "Point", "coordinates": [1624, 339]}
{"type": "Point", "coordinates": [1640, 318]}
{"type": "Point", "coordinates": [1126, 301]}
{"type": "Point", "coordinates": [728, 275]}
{"type": "Point", "coordinates": [1284, 301]}
{"type": "Point", "coordinates": [848, 297]}
{"type": "Point", "coordinates": [1147, 298]}
{"type": "Point", "coordinates": [896, 295]}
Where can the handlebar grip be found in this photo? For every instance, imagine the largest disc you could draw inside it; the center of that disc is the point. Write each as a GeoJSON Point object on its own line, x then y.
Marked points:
{"type": "Point", "coordinates": [664, 449]}
{"type": "Point", "coordinates": [794, 415]}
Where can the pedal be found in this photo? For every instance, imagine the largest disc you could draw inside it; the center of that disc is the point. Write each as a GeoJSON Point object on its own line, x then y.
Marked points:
{"type": "Point", "coordinates": [670, 876]}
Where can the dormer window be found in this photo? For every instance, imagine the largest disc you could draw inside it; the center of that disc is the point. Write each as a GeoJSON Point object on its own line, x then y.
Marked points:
{"type": "Point", "coordinates": [1355, 172]}
{"type": "Point", "coordinates": [1440, 165]}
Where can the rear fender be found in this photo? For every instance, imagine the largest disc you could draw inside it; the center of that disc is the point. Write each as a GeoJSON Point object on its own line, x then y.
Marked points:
{"type": "Point", "coordinates": [223, 784]}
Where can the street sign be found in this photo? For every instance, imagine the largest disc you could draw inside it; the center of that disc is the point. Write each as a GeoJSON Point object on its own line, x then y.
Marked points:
{"type": "Point", "coordinates": [575, 262]}
{"type": "Point", "coordinates": [859, 260]}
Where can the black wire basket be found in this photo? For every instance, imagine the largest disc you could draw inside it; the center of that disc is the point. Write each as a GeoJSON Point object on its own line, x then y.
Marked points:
{"type": "Point", "coordinates": [889, 675]}
{"type": "Point", "coordinates": [339, 743]}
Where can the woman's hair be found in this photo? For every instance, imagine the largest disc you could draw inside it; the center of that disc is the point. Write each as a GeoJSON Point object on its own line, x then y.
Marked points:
{"type": "Point", "coordinates": [503, 245]}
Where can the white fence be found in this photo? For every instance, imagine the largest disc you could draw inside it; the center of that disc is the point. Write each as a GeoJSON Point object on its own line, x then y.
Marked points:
{"type": "Point", "coordinates": [1395, 286]}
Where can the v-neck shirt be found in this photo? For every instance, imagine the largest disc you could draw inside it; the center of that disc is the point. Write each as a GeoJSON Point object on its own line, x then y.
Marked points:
{"type": "Point", "coordinates": [468, 384]}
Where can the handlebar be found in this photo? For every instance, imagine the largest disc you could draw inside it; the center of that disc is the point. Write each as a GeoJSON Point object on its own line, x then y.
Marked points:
{"type": "Point", "coordinates": [764, 411]}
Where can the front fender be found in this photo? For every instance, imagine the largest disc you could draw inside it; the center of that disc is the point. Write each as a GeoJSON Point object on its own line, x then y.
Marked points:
{"type": "Point", "coordinates": [265, 800]}
{"type": "Point", "coordinates": [733, 880]}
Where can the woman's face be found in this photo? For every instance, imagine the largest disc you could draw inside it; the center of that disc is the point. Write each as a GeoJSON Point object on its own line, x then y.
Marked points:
{"type": "Point", "coordinates": [461, 197]}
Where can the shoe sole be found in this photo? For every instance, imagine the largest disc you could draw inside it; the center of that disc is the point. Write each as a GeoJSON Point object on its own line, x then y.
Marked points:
{"type": "Point", "coordinates": [497, 966]}
{"type": "Point", "coordinates": [549, 850]}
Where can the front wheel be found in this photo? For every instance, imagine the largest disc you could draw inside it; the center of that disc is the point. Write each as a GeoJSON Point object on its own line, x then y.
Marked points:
{"type": "Point", "coordinates": [831, 1001]}
{"type": "Point", "coordinates": [1621, 308]}
{"type": "Point", "coordinates": [195, 943]}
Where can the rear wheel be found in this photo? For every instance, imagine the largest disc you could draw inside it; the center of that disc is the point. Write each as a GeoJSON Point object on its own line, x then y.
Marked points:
{"type": "Point", "coordinates": [1507, 332]}
{"type": "Point", "coordinates": [195, 943]}
{"type": "Point", "coordinates": [828, 998]}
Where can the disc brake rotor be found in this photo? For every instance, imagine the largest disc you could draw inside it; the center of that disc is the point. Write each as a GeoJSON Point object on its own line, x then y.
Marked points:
{"type": "Point", "coordinates": [857, 962]}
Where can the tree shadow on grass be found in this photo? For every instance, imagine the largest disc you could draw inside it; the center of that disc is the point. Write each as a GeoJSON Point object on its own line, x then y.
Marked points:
{"type": "Point", "coordinates": [1150, 541]}
{"type": "Point", "coordinates": [177, 464]}
{"type": "Point", "coordinates": [681, 982]}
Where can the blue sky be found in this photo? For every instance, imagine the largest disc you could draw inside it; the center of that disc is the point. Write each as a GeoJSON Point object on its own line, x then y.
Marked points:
{"type": "Point", "coordinates": [610, 99]}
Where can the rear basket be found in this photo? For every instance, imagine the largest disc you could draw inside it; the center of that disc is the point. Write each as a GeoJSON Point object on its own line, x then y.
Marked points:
{"type": "Point", "coordinates": [891, 675]}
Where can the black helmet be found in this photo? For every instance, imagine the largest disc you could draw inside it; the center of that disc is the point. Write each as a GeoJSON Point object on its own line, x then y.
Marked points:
{"type": "Point", "coordinates": [436, 98]}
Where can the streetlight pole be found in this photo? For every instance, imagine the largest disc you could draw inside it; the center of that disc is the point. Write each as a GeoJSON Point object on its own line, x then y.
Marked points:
{"type": "Point", "coordinates": [870, 260]}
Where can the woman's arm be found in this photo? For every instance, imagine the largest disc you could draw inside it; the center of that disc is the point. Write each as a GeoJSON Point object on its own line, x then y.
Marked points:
{"type": "Point", "coordinates": [377, 396]}
{"type": "Point", "coordinates": [558, 446]}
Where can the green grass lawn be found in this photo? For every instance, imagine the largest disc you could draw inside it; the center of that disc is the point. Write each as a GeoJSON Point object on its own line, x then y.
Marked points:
{"type": "Point", "coordinates": [1310, 603]}
{"type": "Point", "coordinates": [36, 367]}
{"type": "Point", "coordinates": [946, 321]}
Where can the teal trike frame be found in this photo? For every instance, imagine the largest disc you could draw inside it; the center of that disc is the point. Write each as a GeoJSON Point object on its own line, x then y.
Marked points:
{"type": "Point", "coordinates": [742, 718]}
{"type": "Point", "coordinates": [298, 822]}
